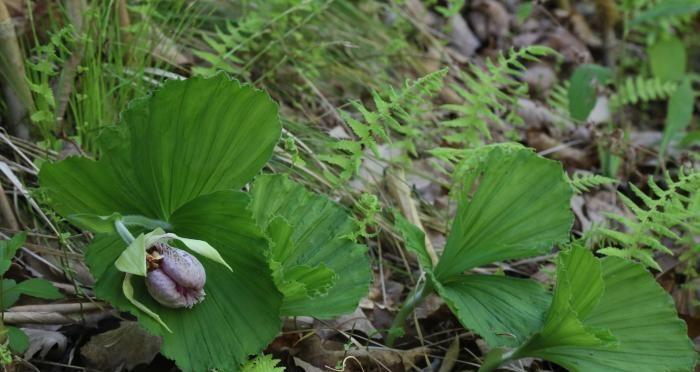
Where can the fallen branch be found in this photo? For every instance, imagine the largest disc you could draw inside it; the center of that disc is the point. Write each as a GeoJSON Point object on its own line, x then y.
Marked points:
{"type": "Point", "coordinates": [59, 308]}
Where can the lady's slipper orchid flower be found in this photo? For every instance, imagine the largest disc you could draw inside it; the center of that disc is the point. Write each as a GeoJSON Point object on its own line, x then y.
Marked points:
{"type": "Point", "coordinates": [175, 278]}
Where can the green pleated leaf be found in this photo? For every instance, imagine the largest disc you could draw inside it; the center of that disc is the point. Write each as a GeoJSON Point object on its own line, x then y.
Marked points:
{"type": "Point", "coordinates": [196, 136]}
{"type": "Point", "coordinates": [240, 313]}
{"type": "Point", "coordinates": [189, 138]}
{"type": "Point", "coordinates": [520, 208]}
{"type": "Point", "coordinates": [575, 296]}
{"type": "Point", "coordinates": [298, 283]}
{"type": "Point", "coordinates": [76, 186]}
{"type": "Point", "coordinates": [633, 314]}
{"type": "Point", "coordinates": [504, 311]}
{"type": "Point", "coordinates": [320, 237]}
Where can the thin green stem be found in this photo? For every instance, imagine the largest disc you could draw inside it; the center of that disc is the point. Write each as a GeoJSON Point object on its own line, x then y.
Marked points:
{"type": "Point", "coordinates": [148, 223]}
{"type": "Point", "coordinates": [123, 231]}
{"type": "Point", "coordinates": [496, 358]}
{"type": "Point", "coordinates": [414, 299]}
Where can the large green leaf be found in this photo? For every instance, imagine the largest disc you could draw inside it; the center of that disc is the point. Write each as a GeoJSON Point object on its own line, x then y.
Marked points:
{"type": "Point", "coordinates": [320, 237]}
{"type": "Point", "coordinates": [196, 136]}
{"type": "Point", "coordinates": [83, 186]}
{"type": "Point", "coordinates": [297, 283]}
{"type": "Point", "coordinates": [520, 209]}
{"type": "Point", "coordinates": [633, 312]}
{"type": "Point", "coordinates": [189, 138]}
{"type": "Point", "coordinates": [575, 297]}
{"type": "Point", "coordinates": [504, 311]}
{"type": "Point", "coordinates": [240, 313]}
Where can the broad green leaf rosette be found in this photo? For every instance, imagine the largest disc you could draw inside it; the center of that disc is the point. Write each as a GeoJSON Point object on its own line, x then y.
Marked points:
{"type": "Point", "coordinates": [604, 315]}
{"type": "Point", "coordinates": [514, 204]}
{"type": "Point", "coordinates": [177, 159]}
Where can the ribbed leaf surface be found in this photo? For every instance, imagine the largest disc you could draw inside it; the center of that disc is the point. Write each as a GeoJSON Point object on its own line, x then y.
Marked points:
{"type": "Point", "coordinates": [520, 208]}
{"type": "Point", "coordinates": [636, 315]}
{"type": "Point", "coordinates": [320, 237]}
{"type": "Point", "coordinates": [504, 311]}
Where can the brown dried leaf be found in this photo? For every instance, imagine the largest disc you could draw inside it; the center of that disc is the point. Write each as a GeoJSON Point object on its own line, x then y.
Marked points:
{"type": "Point", "coordinates": [42, 341]}
{"type": "Point", "coordinates": [569, 46]}
{"type": "Point", "coordinates": [121, 348]}
{"type": "Point", "coordinates": [489, 18]}
{"type": "Point", "coordinates": [462, 37]}
{"type": "Point", "coordinates": [324, 354]}
{"type": "Point", "coordinates": [357, 321]}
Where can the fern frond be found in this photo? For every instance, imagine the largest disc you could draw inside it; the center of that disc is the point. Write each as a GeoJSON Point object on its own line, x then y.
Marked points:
{"type": "Point", "coordinates": [491, 94]}
{"type": "Point", "coordinates": [263, 363]}
{"type": "Point", "coordinates": [638, 89]}
{"type": "Point", "coordinates": [661, 214]}
{"type": "Point", "coordinates": [398, 112]}
{"type": "Point", "coordinates": [657, 17]}
{"type": "Point", "coordinates": [584, 182]}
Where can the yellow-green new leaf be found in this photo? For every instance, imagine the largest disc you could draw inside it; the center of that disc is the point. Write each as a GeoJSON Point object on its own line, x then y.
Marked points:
{"type": "Point", "coordinates": [133, 259]}
{"type": "Point", "coordinates": [128, 291]}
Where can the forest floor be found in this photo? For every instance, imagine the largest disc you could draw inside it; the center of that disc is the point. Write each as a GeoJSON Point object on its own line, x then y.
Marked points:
{"type": "Point", "coordinates": [438, 65]}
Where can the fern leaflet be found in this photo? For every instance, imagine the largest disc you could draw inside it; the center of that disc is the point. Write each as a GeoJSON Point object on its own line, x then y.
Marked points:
{"type": "Point", "coordinates": [399, 112]}
{"type": "Point", "coordinates": [490, 95]}
{"type": "Point", "coordinates": [584, 182]}
{"type": "Point", "coordinates": [638, 89]}
{"type": "Point", "coordinates": [656, 217]}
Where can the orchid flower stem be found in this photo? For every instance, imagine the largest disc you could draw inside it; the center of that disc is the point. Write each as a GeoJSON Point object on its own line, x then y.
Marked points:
{"type": "Point", "coordinates": [123, 231]}
{"type": "Point", "coordinates": [414, 299]}
{"type": "Point", "coordinates": [148, 223]}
